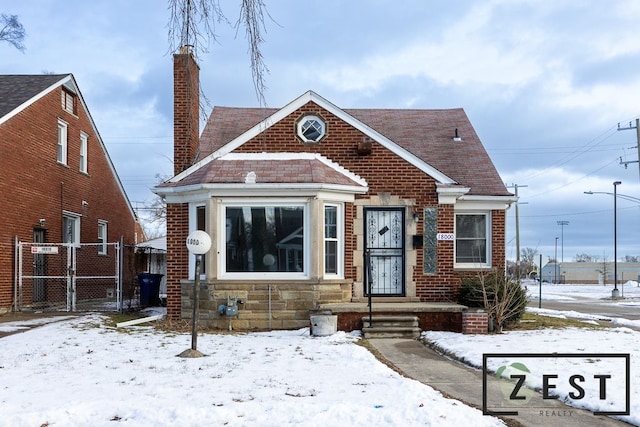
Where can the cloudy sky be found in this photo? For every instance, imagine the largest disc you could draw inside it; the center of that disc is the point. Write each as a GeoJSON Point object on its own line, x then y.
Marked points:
{"type": "Point", "coordinates": [545, 83]}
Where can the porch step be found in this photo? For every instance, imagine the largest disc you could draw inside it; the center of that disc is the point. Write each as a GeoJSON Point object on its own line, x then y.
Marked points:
{"type": "Point", "coordinates": [390, 327]}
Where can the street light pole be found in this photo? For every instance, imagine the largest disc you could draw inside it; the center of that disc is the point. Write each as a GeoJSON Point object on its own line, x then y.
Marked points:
{"type": "Point", "coordinates": [615, 293]}
{"type": "Point", "coordinates": [555, 264]}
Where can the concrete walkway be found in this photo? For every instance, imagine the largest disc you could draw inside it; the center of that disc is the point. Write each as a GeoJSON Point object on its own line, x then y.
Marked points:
{"type": "Point", "coordinates": [460, 382]}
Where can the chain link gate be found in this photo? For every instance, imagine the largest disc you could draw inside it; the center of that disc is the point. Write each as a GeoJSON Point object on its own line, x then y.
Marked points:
{"type": "Point", "coordinates": [66, 277]}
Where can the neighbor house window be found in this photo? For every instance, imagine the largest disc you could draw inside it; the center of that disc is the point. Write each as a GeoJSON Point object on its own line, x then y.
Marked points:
{"type": "Point", "coordinates": [83, 152]}
{"type": "Point", "coordinates": [68, 101]}
{"type": "Point", "coordinates": [102, 237]}
{"type": "Point", "coordinates": [333, 240]}
{"type": "Point", "coordinates": [71, 228]}
{"type": "Point", "coordinates": [265, 239]}
{"type": "Point", "coordinates": [62, 142]}
{"type": "Point", "coordinates": [472, 239]}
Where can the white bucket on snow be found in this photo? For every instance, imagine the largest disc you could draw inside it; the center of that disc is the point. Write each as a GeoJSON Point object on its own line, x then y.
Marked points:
{"type": "Point", "coordinates": [323, 325]}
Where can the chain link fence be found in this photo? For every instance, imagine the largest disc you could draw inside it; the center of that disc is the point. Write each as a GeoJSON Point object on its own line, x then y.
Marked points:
{"type": "Point", "coordinates": [64, 277]}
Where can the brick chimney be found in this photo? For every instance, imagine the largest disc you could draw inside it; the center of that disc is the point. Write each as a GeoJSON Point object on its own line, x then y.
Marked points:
{"type": "Point", "coordinates": [186, 131]}
{"type": "Point", "coordinates": [186, 108]}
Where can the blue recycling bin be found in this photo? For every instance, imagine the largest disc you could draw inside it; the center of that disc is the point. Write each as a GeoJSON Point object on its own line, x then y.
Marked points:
{"type": "Point", "coordinates": [149, 289]}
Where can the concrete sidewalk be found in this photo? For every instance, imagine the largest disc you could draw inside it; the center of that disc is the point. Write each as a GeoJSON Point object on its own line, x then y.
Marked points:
{"type": "Point", "coordinates": [460, 382]}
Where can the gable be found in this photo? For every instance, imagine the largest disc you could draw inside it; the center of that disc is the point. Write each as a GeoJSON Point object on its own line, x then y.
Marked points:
{"type": "Point", "coordinates": [424, 138]}
{"type": "Point", "coordinates": [19, 92]}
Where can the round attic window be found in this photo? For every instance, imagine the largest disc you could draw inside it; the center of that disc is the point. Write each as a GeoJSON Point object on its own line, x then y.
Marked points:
{"type": "Point", "coordinates": [311, 129]}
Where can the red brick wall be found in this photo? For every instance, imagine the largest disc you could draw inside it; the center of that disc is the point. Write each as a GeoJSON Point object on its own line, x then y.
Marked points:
{"type": "Point", "coordinates": [475, 323]}
{"type": "Point", "coordinates": [186, 136]}
{"type": "Point", "coordinates": [177, 255]}
{"type": "Point", "coordinates": [34, 186]}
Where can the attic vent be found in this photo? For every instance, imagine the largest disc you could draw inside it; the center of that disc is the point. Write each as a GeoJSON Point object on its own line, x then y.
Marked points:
{"type": "Point", "coordinates": [250, 178]}
{"type": "Point", "coordinates": [456, 137]}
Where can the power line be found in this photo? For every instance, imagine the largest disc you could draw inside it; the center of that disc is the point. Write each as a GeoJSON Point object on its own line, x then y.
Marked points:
{"type": "Point", "coordinates": [637, 128]}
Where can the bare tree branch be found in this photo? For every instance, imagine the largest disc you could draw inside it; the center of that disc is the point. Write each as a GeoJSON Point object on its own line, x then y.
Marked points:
{"type": "Point", "coordinates": [252, 17]}
{"type": "Point", "coordinates": [193, 23]}
{"type": "Point", "coordinates": [12, 31]}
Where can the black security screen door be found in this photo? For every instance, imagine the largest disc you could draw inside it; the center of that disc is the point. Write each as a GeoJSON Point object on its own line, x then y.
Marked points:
{"type": "Point", "coordinates": [384, 241]}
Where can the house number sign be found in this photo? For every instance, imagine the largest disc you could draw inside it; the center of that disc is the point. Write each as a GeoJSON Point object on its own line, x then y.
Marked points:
{"type": "Point", "coordinates": [198, 242]}
{"type": "Point", "coordinates": [445, 236]}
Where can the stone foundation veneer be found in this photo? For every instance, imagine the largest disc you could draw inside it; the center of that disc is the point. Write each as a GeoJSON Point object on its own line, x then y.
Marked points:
{"type": "Point", "coordinates": [264, 306]}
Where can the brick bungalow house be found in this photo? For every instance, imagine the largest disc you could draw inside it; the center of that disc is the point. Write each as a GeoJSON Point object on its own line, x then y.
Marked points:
{"type": "Point", "coordinates": [58, 186]}
{"type": "Point", "coordinates": [295, 197]}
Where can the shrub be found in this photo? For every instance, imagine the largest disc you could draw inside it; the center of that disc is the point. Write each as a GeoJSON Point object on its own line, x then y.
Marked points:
{"type": "Point", "coordinates": [502, 297]}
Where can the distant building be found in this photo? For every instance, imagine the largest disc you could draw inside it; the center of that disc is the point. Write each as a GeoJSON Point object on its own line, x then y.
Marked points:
{"type": "Point", "coordinates": [589, 272]}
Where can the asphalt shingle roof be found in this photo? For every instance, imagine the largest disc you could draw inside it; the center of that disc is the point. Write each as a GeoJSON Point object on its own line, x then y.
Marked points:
{"type": "Point", "coordinates": [427, 134]}
{"type": "Point", "coordinates": [17, 89]}
{"type": "Point", "coordinates": [267, 171]}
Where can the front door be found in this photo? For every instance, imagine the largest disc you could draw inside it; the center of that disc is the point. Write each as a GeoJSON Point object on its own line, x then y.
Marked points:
{"type": "Point", "coordinates": [39, 268]}
{"type": "Point", "coordinates": [384, 246]}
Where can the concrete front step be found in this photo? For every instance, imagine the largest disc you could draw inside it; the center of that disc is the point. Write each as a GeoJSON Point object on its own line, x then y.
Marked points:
{"type": "Point", "coordinates": [390, 327]}
{"type": "Point", "coordinates": [391, 332]}
{"type": "Point", "coordinates": [390, 321]}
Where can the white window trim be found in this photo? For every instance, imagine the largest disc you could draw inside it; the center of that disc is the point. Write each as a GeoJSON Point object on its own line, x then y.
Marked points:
{"type": "Point", "coordinates": [222, 246]}
{"type": "Point", "coordinates": [339, 238]}
{"type": "Point", "coordinates": [76, 225]}
{"type": "Point", "coordinates": [489, 239]}
{"type": "Point", "coordinates": [305, 119]}
{"type": "Point", "coordinates": [102, 247]}
{"type": "Point", "coordinates": [63, 142]}
{"type": "Point", "coordinates": [84, 146]}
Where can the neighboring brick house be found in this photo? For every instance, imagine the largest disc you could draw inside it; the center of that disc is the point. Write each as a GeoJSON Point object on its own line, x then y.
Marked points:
{"type": "Point", "coordinates": [58, 185]}
{"type": "Point", "coordinates": [294, 198]}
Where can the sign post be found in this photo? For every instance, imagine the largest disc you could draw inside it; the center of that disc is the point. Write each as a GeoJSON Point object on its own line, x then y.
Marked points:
{"type": "Point", "coordinates": [198, 243]}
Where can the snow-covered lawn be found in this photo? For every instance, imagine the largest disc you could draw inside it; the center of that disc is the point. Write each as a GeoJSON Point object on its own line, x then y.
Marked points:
{"type": "Point", "coordinates": [619, 340]}
{"type": "Point", "coordinates": [79, 372]}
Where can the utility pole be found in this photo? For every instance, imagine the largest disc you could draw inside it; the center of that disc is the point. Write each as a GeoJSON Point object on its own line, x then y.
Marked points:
{"type": "Point", "coordinates": [562, 224]}
{"type": "Point", "coordinates": [516, 186]}
{"type": "Point", "coordinates": [637, 128]}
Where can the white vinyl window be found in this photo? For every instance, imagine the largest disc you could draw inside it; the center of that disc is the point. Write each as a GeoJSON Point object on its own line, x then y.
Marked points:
{"type": "Point", "coordinates": [265, 240]}
{"type": "Point", "coordinates": [71, 228]}
{"type": "Point", "coordinates": [333, 240]}
{"type": "Point", "coordinates": [473, 240]}
{"type": "Point", "coordinates": [62, 142]}
{"type": "Point", "coordinates": [102, 237]}
{"type": "Point", "coordinates": [84, 140]}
